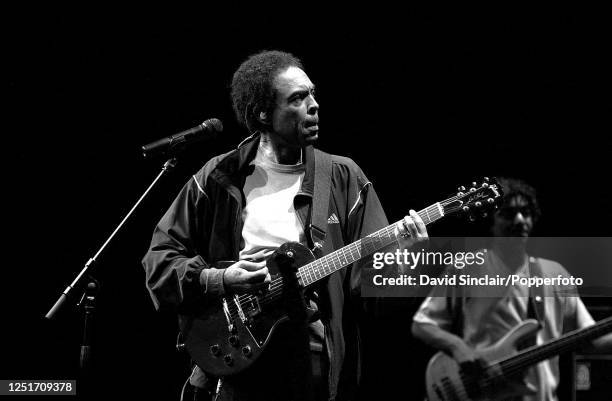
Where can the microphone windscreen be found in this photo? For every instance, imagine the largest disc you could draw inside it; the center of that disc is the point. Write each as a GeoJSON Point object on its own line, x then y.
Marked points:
{"type": "Point", "coordinates": [214, 123]}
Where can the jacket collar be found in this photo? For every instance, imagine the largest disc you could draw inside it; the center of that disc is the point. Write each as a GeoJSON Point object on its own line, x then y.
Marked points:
{"type": "Point", "coordinates": [232, 170]}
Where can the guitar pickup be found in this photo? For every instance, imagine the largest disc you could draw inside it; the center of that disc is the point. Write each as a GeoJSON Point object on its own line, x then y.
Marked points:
{"type": "Point", "coordinates": [248, 307]}
{"type": "Point", "coordinates": [254, 307]}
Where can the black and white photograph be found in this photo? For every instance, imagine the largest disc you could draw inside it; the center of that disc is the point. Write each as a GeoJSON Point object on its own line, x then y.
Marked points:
{"type": "Point", "coordinates": [307, 203]}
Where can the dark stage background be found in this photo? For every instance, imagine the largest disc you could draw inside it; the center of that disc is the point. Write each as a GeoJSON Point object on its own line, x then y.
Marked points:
{"type": "Point", "coordinates": [423, 101]}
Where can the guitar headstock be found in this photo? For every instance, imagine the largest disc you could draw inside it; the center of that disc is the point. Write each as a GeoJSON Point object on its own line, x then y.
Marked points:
{"type": "Point", "coordinates": [478, 199]}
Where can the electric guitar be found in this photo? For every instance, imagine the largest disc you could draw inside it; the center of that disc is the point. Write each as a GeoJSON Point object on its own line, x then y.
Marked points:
{"type": "Point", "coordinates": [501, 364]}
{"type": "Point", "coordinates": [229, 334]}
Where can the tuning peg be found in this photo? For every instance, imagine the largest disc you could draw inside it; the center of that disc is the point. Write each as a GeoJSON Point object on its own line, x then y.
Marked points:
{"type": "Point", "coordinates": [461, 189]}
{"type": "Point", "coordinates": [465, 209]}
{"type": "Point", "coordinates": [473, 189]}
{"type": "Point", "coordinates": [471, 218]}
{"type": "Point", "coordinates": [486, 179]}
{"type": "Point", "coordinates": [490, 201]}
{"type": "Point", "coordinates": [474, 184]}
{"type": "Point", "coordinates": [478, 204]}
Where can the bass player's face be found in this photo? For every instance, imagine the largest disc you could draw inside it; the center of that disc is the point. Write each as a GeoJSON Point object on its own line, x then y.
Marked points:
{"type": "Point", "coordinates": [514, 219]}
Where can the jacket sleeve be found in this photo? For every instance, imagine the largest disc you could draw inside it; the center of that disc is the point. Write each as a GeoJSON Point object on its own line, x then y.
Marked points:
{"type": "Point", "coordinates": [176, 275]}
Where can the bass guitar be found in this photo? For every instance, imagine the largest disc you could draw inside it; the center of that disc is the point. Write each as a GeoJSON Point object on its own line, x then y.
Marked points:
{"type": "Point", "coordinates": [501, 364]}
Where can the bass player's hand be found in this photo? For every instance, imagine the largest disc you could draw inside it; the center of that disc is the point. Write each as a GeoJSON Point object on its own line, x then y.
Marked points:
{"type": "Point", "coordinates": [246, 276]}
{"type": "Point", "coordinates": [462, 353]}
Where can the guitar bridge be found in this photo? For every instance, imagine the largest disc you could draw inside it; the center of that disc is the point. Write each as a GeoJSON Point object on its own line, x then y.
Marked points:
{"type": "Point", "coordinates": [239, 307]}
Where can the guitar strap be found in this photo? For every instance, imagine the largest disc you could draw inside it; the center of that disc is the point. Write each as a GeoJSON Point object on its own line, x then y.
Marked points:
{"type": "Point", "coordinates": [320, 200]}
{"type": "Point", "coordinates": [535, 307]}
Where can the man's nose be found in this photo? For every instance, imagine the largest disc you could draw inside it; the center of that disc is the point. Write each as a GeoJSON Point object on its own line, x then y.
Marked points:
{"type": "Point", "coordinates": [313, 106]}
{"type": "Point", "coordinates": [519, 218]}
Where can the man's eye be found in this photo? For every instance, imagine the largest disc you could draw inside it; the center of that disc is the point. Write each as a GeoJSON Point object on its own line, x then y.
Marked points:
{"type": "Point", "coordinates": [511, 212]}
{"type": "Point", "coordinates": [299, 98]}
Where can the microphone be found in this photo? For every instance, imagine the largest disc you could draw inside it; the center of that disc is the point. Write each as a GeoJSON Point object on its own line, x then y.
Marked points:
{"type": "Point", "coordinates": [174, 143]}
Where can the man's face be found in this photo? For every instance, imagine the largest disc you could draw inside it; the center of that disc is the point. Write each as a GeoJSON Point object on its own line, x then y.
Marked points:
{"type": "Point", "coordinates": [513, 219]}
{"type": "Point", "coordinates": [295, 119]}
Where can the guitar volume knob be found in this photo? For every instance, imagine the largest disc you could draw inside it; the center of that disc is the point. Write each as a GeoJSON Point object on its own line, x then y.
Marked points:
{"type": "Point", "coordinates": [215, 350]}
{"type": "Point", "coordinates": [229, 361]}
{"type": "Point", "coordinates": [233, 340]}
{"type": "Point", "coordinates": [246, 350]}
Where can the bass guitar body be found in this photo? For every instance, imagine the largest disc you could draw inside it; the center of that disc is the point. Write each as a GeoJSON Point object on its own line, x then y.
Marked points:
{"type": "Point", "coordinates": [446, 380]}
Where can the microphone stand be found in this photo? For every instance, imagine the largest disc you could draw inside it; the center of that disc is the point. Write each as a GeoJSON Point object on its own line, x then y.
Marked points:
{"type": "Point", "coordinates": [88, 299]}
{"type": "Point", "coordinates": [88, 305]}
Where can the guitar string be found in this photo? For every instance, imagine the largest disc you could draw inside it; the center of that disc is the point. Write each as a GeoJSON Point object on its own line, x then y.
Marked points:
{"type": "Point", "coordinates": [324, 262]}
{"type": "Point", "coordinates": [275, 289]}
{"type": "Point", "coordinates": [303, 274]}
{"type": "Point", "coordinates": [319, 267]}
{"type": "Point", "coordinates": [371, 240]}
{"type": "Point", "coordinates": [425, 213]}
{"type": "Point", "coordinates": [527, 354]}
{"type": "Point", "coordinates": [356, 245]}
{"type": "Point", "coordinates": [319, 264]}
{"type": "Point", "coordinates": [524, 359]}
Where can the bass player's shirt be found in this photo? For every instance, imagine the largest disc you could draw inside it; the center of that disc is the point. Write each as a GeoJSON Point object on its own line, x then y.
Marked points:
{"type": "Point", "coordinates": [485, 320]}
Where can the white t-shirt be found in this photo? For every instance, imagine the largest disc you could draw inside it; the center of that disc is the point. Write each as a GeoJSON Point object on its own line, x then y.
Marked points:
{"type": "Point", "coordinates": [269, 216]}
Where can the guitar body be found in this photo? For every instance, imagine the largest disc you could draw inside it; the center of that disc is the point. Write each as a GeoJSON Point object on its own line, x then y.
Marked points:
{"type": "Point", "coordinates": [445, 380]}
{"type": "Point", "coordinates": [230, 334]}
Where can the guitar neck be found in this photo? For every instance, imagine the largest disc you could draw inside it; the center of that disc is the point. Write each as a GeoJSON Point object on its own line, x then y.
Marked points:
{"type": "Point", "coordinates": [323, 267]}
{"type": "Point", "coordinates": [567, 342]}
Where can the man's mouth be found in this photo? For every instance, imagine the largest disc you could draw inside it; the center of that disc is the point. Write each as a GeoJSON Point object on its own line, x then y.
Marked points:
{"type": "Point", "coordinates": [312, 124]}
{"type": "Point", "coordinates": [520, 232]}
{"type": "Point", "coordinates": [312, 128]}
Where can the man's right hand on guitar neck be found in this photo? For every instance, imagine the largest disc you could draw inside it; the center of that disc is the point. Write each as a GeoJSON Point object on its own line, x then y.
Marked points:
{"type": "Point", "coordinates": [246, 276]}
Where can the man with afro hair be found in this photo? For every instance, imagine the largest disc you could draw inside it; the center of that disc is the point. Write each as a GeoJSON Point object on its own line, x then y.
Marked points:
{"type": "Point", "coordinates": [243, 205]}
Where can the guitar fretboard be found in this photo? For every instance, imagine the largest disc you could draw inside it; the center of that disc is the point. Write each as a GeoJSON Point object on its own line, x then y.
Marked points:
{"type": "Point", "coordinates": [323, 267]}
{"type": "Point", "coordinates": [564, 343]}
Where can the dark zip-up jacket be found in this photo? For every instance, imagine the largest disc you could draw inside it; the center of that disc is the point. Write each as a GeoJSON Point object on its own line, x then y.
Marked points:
{"type": "Point", "coordinates": [204, 225]}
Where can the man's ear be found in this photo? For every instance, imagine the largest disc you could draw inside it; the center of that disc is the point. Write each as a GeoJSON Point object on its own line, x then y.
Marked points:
{"type": "Point", "coordinates": [263, 118]}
